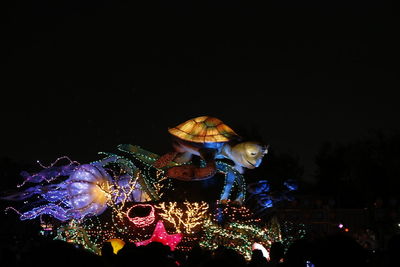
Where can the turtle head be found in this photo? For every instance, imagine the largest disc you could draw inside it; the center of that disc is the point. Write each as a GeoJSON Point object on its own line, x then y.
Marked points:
{"type": "Point", "coordinates": [248, 154]}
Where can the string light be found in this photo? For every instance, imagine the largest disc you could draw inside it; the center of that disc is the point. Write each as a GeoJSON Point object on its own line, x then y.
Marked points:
{"type": "Point", "coordinates": [142, 221]}
{"type": "Point", "coordinates": [118, 177]}
{"type": "Point", "coordinates": [238, 230]}
{"type": "Point", "coordinates": [56, 172]}
{"type": "Point", "coordinates": [74, 233]}
{"type": "Point", "coordinates": [183, 221]}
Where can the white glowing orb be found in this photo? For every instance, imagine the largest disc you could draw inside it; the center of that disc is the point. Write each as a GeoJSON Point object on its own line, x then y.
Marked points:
{"type": "Point", "coordinates": [262, 248]}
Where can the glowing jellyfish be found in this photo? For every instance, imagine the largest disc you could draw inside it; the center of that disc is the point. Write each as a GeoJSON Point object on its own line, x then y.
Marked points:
{"type": "Point", "coordinates": [88, 189]}
{"type": "Point", "coordinates": [84, 193]}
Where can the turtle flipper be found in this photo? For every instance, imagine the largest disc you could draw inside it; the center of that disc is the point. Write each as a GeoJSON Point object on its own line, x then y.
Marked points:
{"type": "Point", "coordinates": [192, 172]}
{"type": "Point", "coordinates": [165, 159]}
{"type": "Point", "coordinates": [183, 173]}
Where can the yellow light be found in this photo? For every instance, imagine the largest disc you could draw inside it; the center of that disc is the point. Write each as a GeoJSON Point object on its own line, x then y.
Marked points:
{"type": "Point", "coordinates": [183, 220]}
{"type": "Point", "coordinates": [117, 244]}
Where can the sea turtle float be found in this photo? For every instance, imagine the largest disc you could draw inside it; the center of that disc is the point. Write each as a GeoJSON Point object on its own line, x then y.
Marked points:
{"type": "Point", "coordinates": [210, 139]}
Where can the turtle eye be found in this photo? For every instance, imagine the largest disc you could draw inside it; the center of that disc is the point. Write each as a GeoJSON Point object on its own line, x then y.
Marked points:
{"type": "Point", "coordinates": [253, 153]}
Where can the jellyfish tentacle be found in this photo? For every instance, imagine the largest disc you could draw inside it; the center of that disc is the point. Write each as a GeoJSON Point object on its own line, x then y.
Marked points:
{"type": "Point", "coordinates": [54, 210]}
{"type": "Point", "coordinates": [49, 173]}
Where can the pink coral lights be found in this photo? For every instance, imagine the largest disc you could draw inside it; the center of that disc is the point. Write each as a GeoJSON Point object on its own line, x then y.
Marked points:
{"type": "Point", "coordinates": [142, 221]}
{"type": "Point", "coordinates": [160, 235]}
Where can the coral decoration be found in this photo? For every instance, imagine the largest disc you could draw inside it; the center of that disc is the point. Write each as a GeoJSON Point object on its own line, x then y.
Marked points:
{"type": "Point", "coordinates": [185, 220]}
{"type": "Point", "coordinates": [142, 221]}
{"type": "Point", "coordinates": [160, 235]}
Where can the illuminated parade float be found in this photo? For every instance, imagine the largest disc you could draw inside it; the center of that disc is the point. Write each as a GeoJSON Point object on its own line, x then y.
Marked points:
{"type": "Point", "coordinates": [134, 195]}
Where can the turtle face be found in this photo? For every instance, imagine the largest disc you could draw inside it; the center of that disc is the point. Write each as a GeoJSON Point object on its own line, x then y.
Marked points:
{"type": "Point", "coordinates": [249, 154]}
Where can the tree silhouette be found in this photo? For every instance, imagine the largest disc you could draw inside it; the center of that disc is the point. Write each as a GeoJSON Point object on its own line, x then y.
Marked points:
{"type": "Point", "coordinates": [358, 172]}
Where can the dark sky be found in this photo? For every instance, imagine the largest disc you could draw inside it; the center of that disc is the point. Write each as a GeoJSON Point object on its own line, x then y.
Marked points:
{"type": "Point", "coordinates": [83, 76]}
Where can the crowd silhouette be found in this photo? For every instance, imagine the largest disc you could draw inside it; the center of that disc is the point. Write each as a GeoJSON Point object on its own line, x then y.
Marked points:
{"type": "Point", "coordinates": [332, 250]}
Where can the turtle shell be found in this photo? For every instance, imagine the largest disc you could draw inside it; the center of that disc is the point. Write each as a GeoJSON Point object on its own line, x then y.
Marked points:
{"type": "Point", "coordinates": [203, 130]}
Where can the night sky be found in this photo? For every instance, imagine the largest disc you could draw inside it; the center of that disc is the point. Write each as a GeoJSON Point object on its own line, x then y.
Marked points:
{"type": "Point", "coordinates": [79, 77]}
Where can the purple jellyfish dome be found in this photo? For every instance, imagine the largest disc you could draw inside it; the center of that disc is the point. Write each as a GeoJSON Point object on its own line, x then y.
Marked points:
{"type": "Point", "coordinates": [89, 190]}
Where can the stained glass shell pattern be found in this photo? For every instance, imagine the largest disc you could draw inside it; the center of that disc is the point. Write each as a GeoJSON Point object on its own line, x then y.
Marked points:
{"type": "Point", "coordinates": [203, 129]}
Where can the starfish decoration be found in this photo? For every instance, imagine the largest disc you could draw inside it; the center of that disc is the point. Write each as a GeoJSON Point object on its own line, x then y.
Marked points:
{"type": "Point", "coordinates": [160, 235]}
